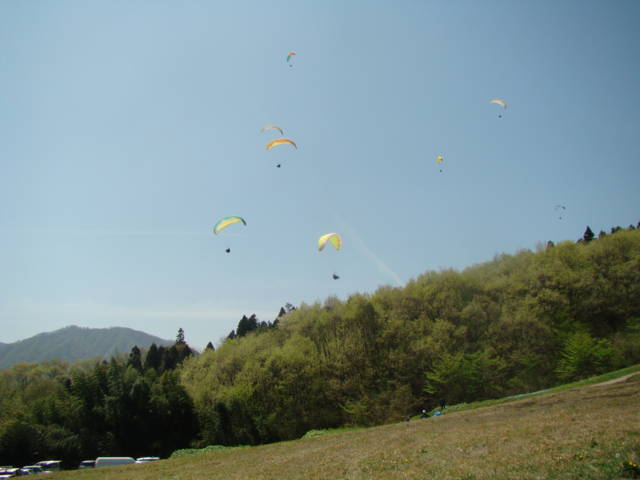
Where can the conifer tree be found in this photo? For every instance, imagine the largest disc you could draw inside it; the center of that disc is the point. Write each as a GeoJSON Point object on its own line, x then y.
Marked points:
{"type": "Point", "coordinates": [153, 358]}
{"type": "Point", "coordinates": [135, 358]}
{"type": "Point", "coordinates": [588, 235]}
{"type": "Point", "coordinates": [180, 337]}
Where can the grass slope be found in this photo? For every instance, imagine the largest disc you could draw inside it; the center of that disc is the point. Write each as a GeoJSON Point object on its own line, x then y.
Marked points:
{"type": "Point", "coordinates": [587, 431]}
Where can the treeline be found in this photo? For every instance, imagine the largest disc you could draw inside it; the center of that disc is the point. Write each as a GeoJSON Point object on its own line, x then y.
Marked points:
{"type": "Point", "coordinates": [131, 406]}
{"type": "Point", "coordinates": [519, 323]}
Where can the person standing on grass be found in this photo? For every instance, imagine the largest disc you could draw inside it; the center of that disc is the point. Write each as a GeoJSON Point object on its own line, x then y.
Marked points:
{"type": "Point", "coordinates": [443, 403]}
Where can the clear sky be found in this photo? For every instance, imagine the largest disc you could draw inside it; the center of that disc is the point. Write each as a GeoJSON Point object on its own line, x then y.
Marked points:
{"type": "Point", "coordinates": [128, 128]}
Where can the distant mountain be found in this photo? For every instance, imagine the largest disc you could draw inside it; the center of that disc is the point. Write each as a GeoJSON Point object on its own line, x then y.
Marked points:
{"type": "Point", "coordinates": [76, 343]}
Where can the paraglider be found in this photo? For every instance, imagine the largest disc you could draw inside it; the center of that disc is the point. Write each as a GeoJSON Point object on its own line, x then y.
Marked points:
{"type": "Point", "coordinates": [272, 127]}
{"type": "Point", "coordinates": [439, 160]}
{"type": "Point", "coordinates": [560, 209]}
{"type": "Point", "coordinates": [499, 101]}
{"type": "Point", "coordinates": [335, 240]}
{"type": "Point", "coordinates": [289, 56]}
{"type": "Point", "coordinates": [226, 222]}
{"type": "Point", "coordinates": [279, 141]}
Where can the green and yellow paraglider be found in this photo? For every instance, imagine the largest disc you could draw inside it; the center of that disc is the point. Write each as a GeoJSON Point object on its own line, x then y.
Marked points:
{"type": "Point", "coordinates": [226, 222]}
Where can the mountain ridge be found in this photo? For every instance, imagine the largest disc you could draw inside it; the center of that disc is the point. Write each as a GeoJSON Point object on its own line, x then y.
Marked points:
{"type": "Point", "coordinates": [73, 343]}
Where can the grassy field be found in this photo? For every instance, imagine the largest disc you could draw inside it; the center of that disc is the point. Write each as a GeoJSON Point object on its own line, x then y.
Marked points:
{"type": "Point", "coordinates": [575, 432]}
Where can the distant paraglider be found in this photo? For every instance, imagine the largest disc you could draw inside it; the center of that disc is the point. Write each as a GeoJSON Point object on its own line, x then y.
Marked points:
{"type": "Point", "coordinates": [560, 209]}
{"type": "Point", "coordinates": [499, 101]}
{"type": "Point", "coordinates": [290, 55]}
{"type": "Point", "coordinates": [280, 141]}
{"type": "Point", "coordinates": [335, 240]}
{"type": "Point", "coordinates": [226, 222]}
{"type": "Point", "coordinates": [439, 160]}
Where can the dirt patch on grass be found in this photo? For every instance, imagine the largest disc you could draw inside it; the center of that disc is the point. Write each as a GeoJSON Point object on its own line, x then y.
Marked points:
{"type": "Point", "coordinates": [616, 380]}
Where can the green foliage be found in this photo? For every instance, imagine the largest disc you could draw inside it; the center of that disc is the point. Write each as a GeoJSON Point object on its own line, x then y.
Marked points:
{"type": "Point", "coordinates": [583, 356]}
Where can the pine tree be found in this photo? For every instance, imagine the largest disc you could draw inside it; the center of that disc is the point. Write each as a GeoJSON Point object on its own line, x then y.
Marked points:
{"type": "Point", "coordinates": [153, 358]}
{"type": "Point", "coordinates": [135, 358]}
{"type": "Point", "coordinates": [180, 337]}
{"type": "Point", "coordinates": [209, 346]}
{"type": "Point", "coordinates": [588, 235]}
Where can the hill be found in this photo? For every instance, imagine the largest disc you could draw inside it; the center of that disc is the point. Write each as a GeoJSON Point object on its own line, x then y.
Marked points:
{"type": "Point", "coordinates": [585, 432]}
{"type": "Point", "coordinates": [75, 343]}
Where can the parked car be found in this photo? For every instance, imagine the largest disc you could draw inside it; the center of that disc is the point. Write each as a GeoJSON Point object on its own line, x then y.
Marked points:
{"type": "Point", "coordinates": [147, 459]}
{"type": "Point", "coordinates": [50, 465]}
{"type": "Point", "coordinates": [87, 464]}
{"type": "Point", "coordinates": [32, 469]}
{"type": "Point", "coordinates": [113, 461]}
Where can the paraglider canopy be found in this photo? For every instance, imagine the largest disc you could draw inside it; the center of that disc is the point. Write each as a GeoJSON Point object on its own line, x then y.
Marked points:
{"type": "Point", "coordinates": [225, 222]}
{"type": "Point", "coordinates": [272, 127]}
{"type": "Point", "coordinates": [332, 238]}
{"type": "Point", "coordinates": [499, 101]}
{"type": "Point", "coordinates": [335, 277]}
{"type": "Point", "coordinates": [279, 141]}
{"type": "Point", "coordinates": [289, 55]}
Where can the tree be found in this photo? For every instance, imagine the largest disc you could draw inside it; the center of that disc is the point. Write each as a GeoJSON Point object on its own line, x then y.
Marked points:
{"type": "Point", "coordinates": [153, 358]}
{"type": "Point", "coordinates": [180, 337]}
{"type": "Point", "coordinates": [209, 346]}
{"type": "Point", "coordinates": [135, 358]}
{"type": "Point", "coordinates": [588, 235]}
{"type": "Point", "coordinates": [246, 325]}
{"type": "Point", "coordinates": [584, 355]}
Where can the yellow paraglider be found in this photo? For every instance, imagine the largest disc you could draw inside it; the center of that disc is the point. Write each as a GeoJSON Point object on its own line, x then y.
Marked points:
{"type": "Point", "coordinates": [279, 141]}
{"type": "Point", "coordinates": [332, 238]}
{"type": "Point", "coordinates": [272, 127]}
{"type": "Point", "coordinates": [439, 159]}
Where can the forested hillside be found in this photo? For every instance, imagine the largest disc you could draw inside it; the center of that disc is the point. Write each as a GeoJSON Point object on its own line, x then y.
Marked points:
{"type": "Point", "coordinates": [518, 323]}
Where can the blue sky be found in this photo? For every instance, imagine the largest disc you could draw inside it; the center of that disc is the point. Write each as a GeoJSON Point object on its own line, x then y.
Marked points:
{"type": "Point", "coordinates": [128, 128]}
